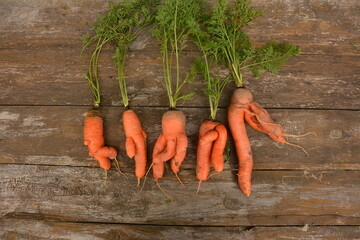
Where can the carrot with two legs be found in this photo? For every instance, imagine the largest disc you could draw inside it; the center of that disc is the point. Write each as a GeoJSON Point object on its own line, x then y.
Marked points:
{"type": "Point", "coordinates": [172, 24]}
{"type": "Point", "coordinates": [129, 18]}
{"type": "Point", "coordinates": [212, 133]}
{"type": "Point", "coordinates": [224, 25]}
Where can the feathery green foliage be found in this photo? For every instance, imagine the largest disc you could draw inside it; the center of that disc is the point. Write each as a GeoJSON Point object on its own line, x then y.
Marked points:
{"type": "Point", "coordinates": [224, 24]}
{"type": "Point", "coordinates": [211, 59]}
{"type": "Point", "coordinates": [119, 27]}
{"type": "Point", "coordinates": [173, 21]}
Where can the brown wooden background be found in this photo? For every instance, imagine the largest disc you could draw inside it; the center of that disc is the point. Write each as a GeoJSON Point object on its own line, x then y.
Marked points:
{"type": "Point", "coordinates": [51, 189]}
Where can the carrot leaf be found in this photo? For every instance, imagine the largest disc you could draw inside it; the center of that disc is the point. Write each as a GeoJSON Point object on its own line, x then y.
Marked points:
{"type": "Point", "coordinates": [173, 21]}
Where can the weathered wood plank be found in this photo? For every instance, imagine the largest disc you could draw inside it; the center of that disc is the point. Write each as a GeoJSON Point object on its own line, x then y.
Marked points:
{"type": "Point", "coordinates": [53, 77]}
{"type": "Point", "coordinates": [318, 26]}
{"type": "Point", "coordinates": [15, 229]}
{"type": "Point", "coordinates": [53, 135]}
{"type": "Point", "coordinates": [279, 197]}
{"type": "Point", "coordinates": [40, 43]}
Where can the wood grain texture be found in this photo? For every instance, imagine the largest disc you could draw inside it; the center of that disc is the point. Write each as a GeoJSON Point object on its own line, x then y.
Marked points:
{"type": "Point", "coordinates": [54, 136]}
{"type": "Point", "coordinates": [53, 77]}
{"type": "Point", "coordinates": [278, 198]}
{"type": "Point", "coordinates": [41, 43]}
{"type": "Point", "coordinates": [328, 27]}
{"type": "Point", "coordinates": [51, 189]}
{"type": "Point", "coordinates": [15, 229]}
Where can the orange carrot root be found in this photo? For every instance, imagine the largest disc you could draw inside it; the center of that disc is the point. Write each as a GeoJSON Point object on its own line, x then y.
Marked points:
{"type": "Point", "coordinates": [94, 139]}
{"type": "Point", "coordinates": [135, 142]}
{"type": "Point", "coordinates": [207, 135]}
{"type": "Point", "coordinates": [242, 144]}
{"type": "Point", "coordinates": [244, 108]}
{"type": "Point", "coordinates": [217, 153]}
{"type": "Point", "coordinates": [171, 143]}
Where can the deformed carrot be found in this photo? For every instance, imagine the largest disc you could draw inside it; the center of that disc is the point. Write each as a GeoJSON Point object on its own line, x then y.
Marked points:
{"type": "Point", "coordinates": [217, 154]}
{"type": "Point", "coordinates": [94, 139]}
{"type": "Point", "coordinates": [243, 107]}
{"type": "Point", "coordinates": [207, 135]}
{"type": "Point", "coordinates": [171, 143]}
{"type": "Point", "coordinates": [242, 144]}
{"type": "Point", "coordinates": [212, 142]}
{"type": "Point", "coordinates": [135, 141]}
{"type": "Point", "coordinates": [158, 166]}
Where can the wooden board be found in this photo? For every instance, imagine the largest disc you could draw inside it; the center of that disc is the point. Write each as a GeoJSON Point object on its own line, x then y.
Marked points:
{"type": "Point", "coordinates": [14, 229]}
{"type": "Point", "coordinates": [321, 27]}
{"type": "Point", "coordinates": [53, 136]}
{"type": "Point", "coordinates": [51, 189]}
{"type": "Point", "coordinates": [41, 43]}
{"type": "Point", "coordinates": [279, 197]}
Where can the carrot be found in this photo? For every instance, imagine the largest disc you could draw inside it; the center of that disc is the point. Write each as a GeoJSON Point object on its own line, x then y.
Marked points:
{"type": "Point", "coordinates": [212, 142]}
{"type": "Point", "coordinates": [207, 135]}
{"type": "Point", "coordinates": [135, 141]}
{"type": "Point", "coordinates": [217, 154]}
{"type": "Point", "coordinates": [243, 150]}
{"type": "Point", "coordinates": [243, 107]}
{"type": "Point", "coordinates": [259, 119]}
{"type": "Point", "coordinates": [171, 143]}
{"type": "Point", "coordinates": [94, 139]}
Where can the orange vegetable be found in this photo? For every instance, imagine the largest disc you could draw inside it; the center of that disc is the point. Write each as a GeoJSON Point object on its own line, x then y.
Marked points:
{"type": "Point", "coordinates": [94, 139]}
{"type": "Point", "coordinates": [171, 143]}
{"type": "Point", "coordinates": [212, 141]}
{"type": "Point", "coordinates": [135, 141]}
{"type": "Point", "coordinates": [243, 150]}
{"type": "Point", "coordinates": [210, 150]}
{"type": "Point", "coordinates": [244, 108]}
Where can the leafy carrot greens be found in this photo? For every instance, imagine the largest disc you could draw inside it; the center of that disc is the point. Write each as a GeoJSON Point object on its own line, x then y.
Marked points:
{"type": "Point", "coordinates": [172, 24]}
{"type": "Point", "coordinates": [119, 27]}
{"type": "Point", "coordinates": [224, 24]}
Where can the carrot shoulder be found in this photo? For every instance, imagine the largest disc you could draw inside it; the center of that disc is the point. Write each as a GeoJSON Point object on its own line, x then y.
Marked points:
{"type": "Point", "coordinates": [94, 139]}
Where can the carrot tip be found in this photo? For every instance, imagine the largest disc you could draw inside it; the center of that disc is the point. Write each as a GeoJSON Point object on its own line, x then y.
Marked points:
{"type": "Point", "coordinates": [180, 181]}
{"type": "Point", "coordinates": [198, 189]}
{"type": "Point", "coordinates": [138, 184]}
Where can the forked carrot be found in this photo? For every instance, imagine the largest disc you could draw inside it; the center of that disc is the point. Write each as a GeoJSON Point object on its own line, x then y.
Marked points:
{"type": "Point", "coordinates": [135, 141]}
{"type": "Point", "coordinates": [171, 143]}
{"type": "Point", "coordinates": [94, 139]}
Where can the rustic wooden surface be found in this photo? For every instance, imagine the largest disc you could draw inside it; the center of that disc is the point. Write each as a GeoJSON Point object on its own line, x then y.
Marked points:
{"type": "Point", "coordinates": [51, 189]}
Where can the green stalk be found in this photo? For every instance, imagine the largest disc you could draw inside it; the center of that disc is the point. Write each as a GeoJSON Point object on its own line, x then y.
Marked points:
{"type": "Point", "coordinates": [120, 60]}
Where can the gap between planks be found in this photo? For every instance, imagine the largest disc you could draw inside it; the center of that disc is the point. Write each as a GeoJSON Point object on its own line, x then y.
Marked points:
{"type": "Point", "coordinates": [179, 107]}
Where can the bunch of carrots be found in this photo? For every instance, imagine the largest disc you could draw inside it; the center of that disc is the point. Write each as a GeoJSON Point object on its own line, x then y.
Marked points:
{"type": "Point", "coordinates": [218, 33]}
